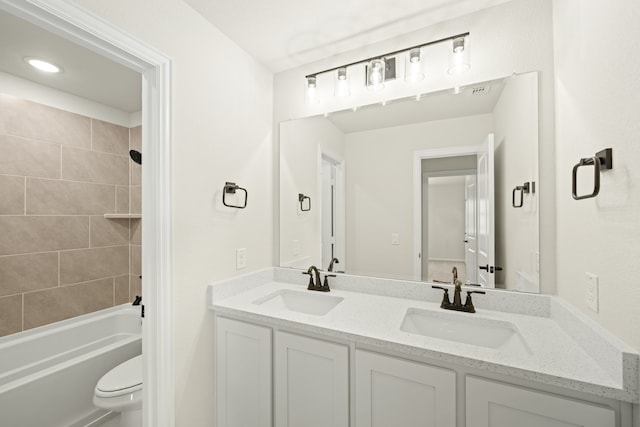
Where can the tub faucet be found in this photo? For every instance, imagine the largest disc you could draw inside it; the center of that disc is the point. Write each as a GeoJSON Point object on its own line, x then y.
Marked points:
{"type": "Point", "coordinates": [334, 260]}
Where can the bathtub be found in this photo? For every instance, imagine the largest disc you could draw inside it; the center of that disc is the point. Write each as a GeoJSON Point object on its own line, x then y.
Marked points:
{"type": "Point", "coordinates": [47, 374]}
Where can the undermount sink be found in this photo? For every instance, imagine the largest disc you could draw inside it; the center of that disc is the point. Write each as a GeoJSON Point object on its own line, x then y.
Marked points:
{"type": "Point", "coordinates": [308, 302]}
{"type": "Point", "coordinates": [467, 329]}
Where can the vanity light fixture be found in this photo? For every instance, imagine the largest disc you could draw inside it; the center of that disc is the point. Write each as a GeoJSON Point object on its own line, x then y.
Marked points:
{"type": "Point", "coordinates": [311, 90]}
{"type": "Point", "coordinates": [341, 83]}
{"type": "Point", "coordinates": [459, 56]}
{"type": "Point", "coordinates": [42, 65]}
{"type": "Point", "coordinates": [382, 67]}
{"type": "Point", "coordinates": [414, 65]}
{"type": "Point", "coordinates": [375, 74]}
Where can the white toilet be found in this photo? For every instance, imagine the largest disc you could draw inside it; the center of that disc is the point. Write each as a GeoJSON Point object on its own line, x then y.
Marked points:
{"type": "Point", "coordinates": [120, 390]}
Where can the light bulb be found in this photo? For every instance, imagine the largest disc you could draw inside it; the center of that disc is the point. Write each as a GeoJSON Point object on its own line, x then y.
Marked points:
{"type": "Point", "coordinates": [459, 57]}
{"type": "Point", "coordinates": [414, 65]}
{"type": "Point", "coordinates": [311, 91]}
{"type": "Point", "coordinates": [375, 74]}
{"type": "Point", "coordinates": [341, 83]}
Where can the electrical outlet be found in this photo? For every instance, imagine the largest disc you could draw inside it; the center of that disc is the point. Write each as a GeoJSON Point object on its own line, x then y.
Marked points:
{"type": "Point", "coordinates": [296, 247]}
{"type": "Point", "coordinates": [592, 292]}
{"type": "Point", "coordinates": [241, 258]}
{"type": "Point", "coordinates": [395, 238]}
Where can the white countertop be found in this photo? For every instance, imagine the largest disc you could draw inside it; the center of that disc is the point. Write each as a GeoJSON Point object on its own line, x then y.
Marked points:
{"type": "Point", "coordinates": [553, 356]}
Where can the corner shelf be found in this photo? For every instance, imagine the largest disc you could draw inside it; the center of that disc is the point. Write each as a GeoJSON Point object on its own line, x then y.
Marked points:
{"type": "Point", "coordinates": [123, 216]}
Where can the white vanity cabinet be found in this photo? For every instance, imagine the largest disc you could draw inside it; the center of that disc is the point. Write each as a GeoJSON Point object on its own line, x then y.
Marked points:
{"type": "Point", "coordinates": [311, 382]}
{"type": "Point", "coordinates": [243, 374]}
{"type": "Point", "coordinates": [397, 392]}
{"type": "Point", "coordinates": [493, 404]}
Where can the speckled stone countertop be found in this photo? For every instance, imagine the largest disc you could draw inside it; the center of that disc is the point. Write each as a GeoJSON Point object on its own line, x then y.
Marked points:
{"type": "Point", "coordinates": [563, 347]}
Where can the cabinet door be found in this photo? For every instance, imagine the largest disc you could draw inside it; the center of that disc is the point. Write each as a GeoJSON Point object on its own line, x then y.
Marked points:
{"type": "Point", "coordinates": [311, 382]}
{"type": "Point", "coordinates": [397, 392]}
{"type": "Point", "coordinates": [243, 374]}
{"type": "Point", "coordinates": [491, 404]}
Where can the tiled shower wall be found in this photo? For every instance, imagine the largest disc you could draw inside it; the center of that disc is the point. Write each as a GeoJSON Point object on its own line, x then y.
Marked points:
{"type": "Point", "coordinates": [59, 174]}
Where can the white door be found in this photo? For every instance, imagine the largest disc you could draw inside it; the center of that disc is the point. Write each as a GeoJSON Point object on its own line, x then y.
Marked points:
{"type": "Point", "coordinates": [311, 382]}
{"type": "Point", "coordinates": [470, 232]}
{"type": "Point", "coordinates": [243, 374]}
{"type": "Point", "coordinates": [486, 209]}
{"type": "Point", "coordinates": [491, 404]}
{"type": "Point", "coordinates": [392, 392]}
{"type": "Point", "coordinates": [332, 213]}
{"type": "Point", "coordinates": [327, 213]}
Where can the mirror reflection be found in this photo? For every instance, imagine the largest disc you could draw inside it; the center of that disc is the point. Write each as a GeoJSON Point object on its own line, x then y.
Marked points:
{"type": "Point", "coordinates": [418, 187]}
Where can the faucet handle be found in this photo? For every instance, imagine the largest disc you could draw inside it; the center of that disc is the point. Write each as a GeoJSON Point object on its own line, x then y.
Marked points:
{"type": "Point", "coordinates": [469, 303]}
{"type": "Point", "coordinates": [445, 298]}
{"type": "Point", "coordinates": [325, 286]}
{"type": "Point", "coordinates": [310, 286]}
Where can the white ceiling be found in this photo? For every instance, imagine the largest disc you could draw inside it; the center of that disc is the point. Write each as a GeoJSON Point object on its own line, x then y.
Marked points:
{"type": "Point", "coordinates": [284, 34]}
{"type": "Point", "coordinates": [435, 106]}
{"type": "Point", "coordinates": [85, 74]}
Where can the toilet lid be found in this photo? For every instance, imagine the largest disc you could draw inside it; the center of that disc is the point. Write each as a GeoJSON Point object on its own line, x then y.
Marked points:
{"type": "Point", "coordinates": [124, 377]}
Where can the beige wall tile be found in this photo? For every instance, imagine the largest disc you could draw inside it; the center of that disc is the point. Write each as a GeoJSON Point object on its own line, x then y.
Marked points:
{"type": "Point", "coordinates": [109, 232]}
{"type": "Point", "coordinates": [135, 232]}
{"type": "Point", "coordinates": [122, 199]}
{"type": "Point", "coordinates": [32, 120]}
{"type": "Point", "coordinates": [135, 138]}
{"type": "Point", "coordinates": [11, 195]}
{"type": "Point", "coordinates": [90, 264]}
{"type": "Point", "coordinates": [21, 234]}
{"type": "Point", "coordinates": [24, 273]}
{"type": "Point", "coordinates": [21, 156]}
{"type": "Point", "coordinates": [49, 197]}
{"type": "Point", "coordinates": [136, 173]}
{"type": "Point", "coordinates": [136, 260]}
{"type": "Point", "coordinates": [90, 166]}
{"type": "Point", "coordinates": [121, 292]}
{"type": "Point", "coordinates": [109, 138]}
{"type": "Point", "coordinates": [52, 305]}
{"type": "Point", "coordinates": [136, 199]}
{"type": "Point", "coordinates": [135, 286]}
{"type": "Point", "coordinates": [10, 315]}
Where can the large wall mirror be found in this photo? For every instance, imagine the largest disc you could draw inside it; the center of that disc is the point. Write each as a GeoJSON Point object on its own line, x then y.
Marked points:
{"type": "Point", "coordinates": [418, 187]}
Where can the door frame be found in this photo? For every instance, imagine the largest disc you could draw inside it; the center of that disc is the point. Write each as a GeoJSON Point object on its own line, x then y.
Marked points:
{"type": "Point", "coordinates": [418, 156]}
{"type": "Point", "coordinates": [70, 21]}
{"type": "Point", "coordinates": [340, 211]}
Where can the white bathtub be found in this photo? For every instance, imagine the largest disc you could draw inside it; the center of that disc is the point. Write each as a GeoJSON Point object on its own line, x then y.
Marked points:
{"type": "Point", "coordinates": [47, 374]}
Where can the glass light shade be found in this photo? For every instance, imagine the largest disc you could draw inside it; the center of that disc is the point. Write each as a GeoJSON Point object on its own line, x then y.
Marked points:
{"type": "Point", "coordinates": [311, 91]}
{"type": "Point", "coordinates": [459, 56]}
{"type": "Point", "coordinates": [414, 65]}
{"type": "Point", "coordinates": [375, 74]}
{"type": "Point", "coordinates": [341, 83]}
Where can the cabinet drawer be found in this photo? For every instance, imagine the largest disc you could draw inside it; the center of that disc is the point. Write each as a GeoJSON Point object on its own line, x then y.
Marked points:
{"type": "Point", "coordinates": [243, 374]}
{"type": "Point", "coordinates": [311, 382]}
{"type": "Point", "coordinates": [492, 404]}
{"type": "Point", "coordinates": [398, 392]}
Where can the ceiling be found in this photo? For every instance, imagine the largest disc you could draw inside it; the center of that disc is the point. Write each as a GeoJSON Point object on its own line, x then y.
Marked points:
{"type": "Point", "coordinates": [472, 100]}
{"type": "Point", "coordinates": [86, 74]}
{"type": "Point", "coordinates": [284, 34]}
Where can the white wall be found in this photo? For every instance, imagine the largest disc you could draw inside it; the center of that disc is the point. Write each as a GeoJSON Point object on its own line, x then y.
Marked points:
{"type": "Point", "coordinates": [446, 207]}
{"type": "Point", "coordinates": [516, 162]}
{"type": "Point", "coordinates": [598, 106]}
{"type": "Point", "coordinates": [379, 189]}
{"type": "Point", "coordinates": [222, 131]}
{"type": "Point", "coordinates": [513, 37]}
{"type": "Point", "coordinates": [299, 141]}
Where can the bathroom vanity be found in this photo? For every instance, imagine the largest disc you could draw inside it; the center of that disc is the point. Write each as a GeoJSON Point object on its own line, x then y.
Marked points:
{"type": "Point", "coordinates": [371, 354]}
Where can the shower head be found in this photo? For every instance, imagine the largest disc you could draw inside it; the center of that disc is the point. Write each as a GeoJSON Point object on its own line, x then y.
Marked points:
{"type": "Point", "coordinates": [136, 156]}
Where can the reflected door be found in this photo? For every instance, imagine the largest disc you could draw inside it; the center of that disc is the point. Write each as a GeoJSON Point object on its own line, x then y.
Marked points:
{"type": "Point", "coordinates": [486, 208]}
{"type": "Point", "coordinates": [471, 235]}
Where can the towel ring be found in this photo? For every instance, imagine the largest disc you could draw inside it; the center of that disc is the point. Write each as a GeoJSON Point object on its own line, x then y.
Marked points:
{"type": "Point", "coordinates": [603, 160]}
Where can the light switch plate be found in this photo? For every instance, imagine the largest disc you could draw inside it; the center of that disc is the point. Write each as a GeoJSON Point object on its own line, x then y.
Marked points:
{"type": "Point", "coordinates": [241, 258]}
{"type": "Point", "coordinates": [395, 238]}
{"type": "Point", "coordinates": [592, 292]}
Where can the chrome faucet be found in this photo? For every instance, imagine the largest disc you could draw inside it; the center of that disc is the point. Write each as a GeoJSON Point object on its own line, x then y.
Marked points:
{"type": "Point", "coordinates": [334, 260]}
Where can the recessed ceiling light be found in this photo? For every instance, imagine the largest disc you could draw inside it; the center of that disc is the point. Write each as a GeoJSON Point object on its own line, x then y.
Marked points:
{"type": "Point", "coordinates": [42, 65]}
